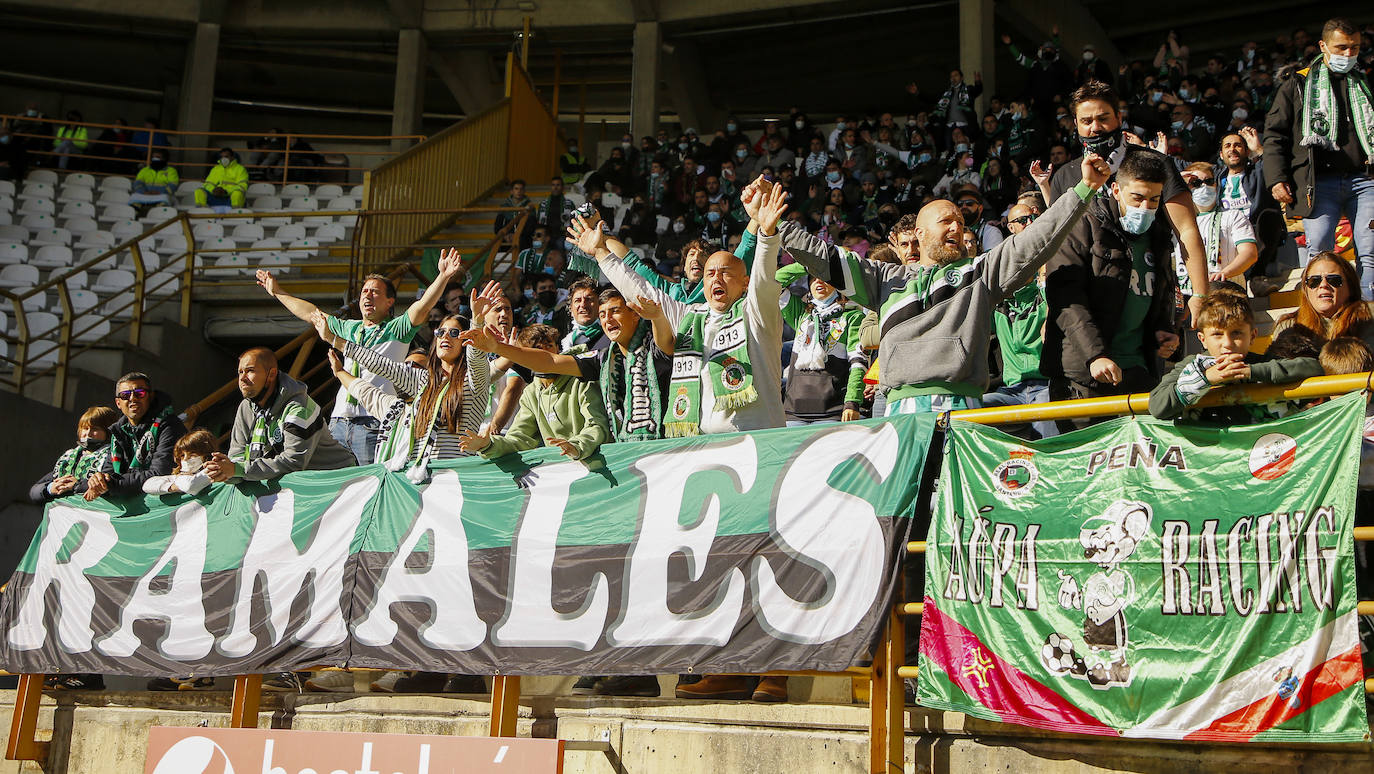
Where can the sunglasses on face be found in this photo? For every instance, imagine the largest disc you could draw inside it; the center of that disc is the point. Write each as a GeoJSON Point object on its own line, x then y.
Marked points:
{"type": "Point", "coordinates": [137, 392]}
{"type": "Point", "coordinates": [967, 203]}
{"type": "Point", "coordinates": [451, 333]}
{"type": "Point", "coordinates": [1314, 281]}
{"type": "Point", "coordinates": [1024, 220]}
{"type": "Point", "coordinates": [1198, 182]}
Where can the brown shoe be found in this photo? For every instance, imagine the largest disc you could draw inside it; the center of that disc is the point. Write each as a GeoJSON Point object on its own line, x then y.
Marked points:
{"type": "Point", "coordinates": [771, 689]}
{"type": "Point", "coordinates": [720, 687]}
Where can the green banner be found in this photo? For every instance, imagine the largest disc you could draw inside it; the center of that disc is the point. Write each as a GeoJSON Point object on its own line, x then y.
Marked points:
{"type": "Point", "coordinates": [745, 552]}
{"type": "Point", "coordinates": [1146, 579]}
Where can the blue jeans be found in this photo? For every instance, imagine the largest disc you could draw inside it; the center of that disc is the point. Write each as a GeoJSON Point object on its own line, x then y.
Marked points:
{"type": "Point", "coordinates": [1021, 394]}
{"type": "Point", "coordinates": [1354, 196]}
{"type": "Point", "coordinates": [358, 435]}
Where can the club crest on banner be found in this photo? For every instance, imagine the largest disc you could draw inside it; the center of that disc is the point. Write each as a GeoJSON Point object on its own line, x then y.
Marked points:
{"type": "Point", "coordinates": [1017, 476]}
{"type": "Point", "coordinates": [1272, 456]}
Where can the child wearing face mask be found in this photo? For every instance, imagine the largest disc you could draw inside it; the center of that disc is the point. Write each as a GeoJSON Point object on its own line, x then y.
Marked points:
{"type": "Point", "coordinates": [69, 473]}
{"type": "Point", "coordinates": [190, 454]}
{"type": "Point", "coordinates": [825, 377]}
{"type": "Point", "coordinates": [1227, 234]}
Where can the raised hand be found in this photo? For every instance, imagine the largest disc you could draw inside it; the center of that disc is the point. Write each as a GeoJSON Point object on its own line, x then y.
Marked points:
{"type": "Point", "coordinates": [770, 212]}
{"type": "Point", "coordinates": [1040, 173]}
{"type": "Point", "coordinates": [480, 302]}
{"type": "Point", "coordinates": [485, 338]}
{"type": "Point", "coordinates": [450, 263]}
{"type": "Point", "coordinates": [268, 281]}
{"type": "Point", "coordinates": [321, 322]}
{"type": "Point", "coordinates": [587, 236]}
{"type": "Point", "coordinates": [1096, 170]}
{"type": "Point", "coordinates": [473, 442]}
{"type": "Point", "coordinates": [1252, 139]}
{"type": "Point", "coordinates": [1160, 143]}
{"type": "Point", "coordinates": [647, 308]}
{"type": "Point", "coordinates": [563, 446]}
{"type": "Point", "coordinates": [336, 364]}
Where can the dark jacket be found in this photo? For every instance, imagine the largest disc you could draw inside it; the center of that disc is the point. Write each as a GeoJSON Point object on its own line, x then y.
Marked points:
{"type": "Point", "coordinates": [1252, 182]}
{"type": "Point", "coordinates": [1167, 401]}
{"type": "Point", "coordinates": [1286, 159]}
{"type": "Point", "coordinates": [127, 472]}
{"type": "Point", "coordinates": [1086, 286]}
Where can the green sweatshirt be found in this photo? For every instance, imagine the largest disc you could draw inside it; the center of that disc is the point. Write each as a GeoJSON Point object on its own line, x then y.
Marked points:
{"type": "Point", "coordinates": [567, 408]}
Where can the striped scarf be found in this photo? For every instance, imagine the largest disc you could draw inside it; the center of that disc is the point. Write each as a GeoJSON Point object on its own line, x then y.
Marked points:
{"type": "Point", "coordinates": [728, 369]}
{"type": "Point", "coordinates": [368, 337]}
{"type": "Point", "coordinates": [80, 462]}
{"type": "Point", "coordinates": [1321, 115]}
{"type": "Point", "coordinates": [396, 442]}
{"type": "Point", "coordinates": [630, 385]}
{"type": "Point", "coordinates": [142, 443]}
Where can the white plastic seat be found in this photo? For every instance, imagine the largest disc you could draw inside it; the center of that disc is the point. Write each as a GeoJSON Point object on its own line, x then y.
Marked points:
{"type": "Point", "coordinates": [292, 190]}
{"type": "Point", "coordinates": [171, 244]}
{"type": "Point", "coordinates": [113, 213]}
{"type": "Point", "coordinates": [41, 176]}
{"type": "Point", "coordinates": [81, 225]}
{"type": "Point", "coordinates": [77, 194]}
{"type": "Point", "coordinates": [52, 236]}
{"type": "Point", "coordinates": [125, 230]}
{"type": "Point", "coordinates": [7, 188]}
{"type": "Point", "coordinates": [303, 203]}
{"type": "Point", "coordinates": [53, 256]}
{"type": "Point", "coordinates": [231, 265]}
{"type": "Point", "coordinates": [328, 191]}
{"type": "Point", "coordinates": [36, 191]}
{"type": "Point", "coordinates": [356, 192]}
{"type": "Point", "coordinates": [315, 221]}
{"type": "Point", "coordinates": [77, 210]}
{"type": "Point", "coordinates": [38, 221]}
{"type": "Point", "coordinates": [329, 233]}
{"type": "Point", "coordinates": [157, 287]}
{"type": "Point", "coordinates": [83, 300]}
{"type": "Point", "coordinates": [91, 253]}
{"type": "Point", "coordinates": [4, 330]}
{"type": "Point", "coordinates": [90, 327]}
{"type": "Point", "coordinates": [290, 232]}
{"type": "Point", "coordinates": [304, 248]}
{"type": "Point", "coordinates": [101, 239]}
{"type": "Point", "coordinates": [266, 203]}
{"type": "Point", "coordinates": [6, 201]}
{"type": "Point", "coordinates": [79, 179]}
{"type": "Point", "coordinates": [160, 214]}
{"type": "Point", "coordinates": [199, 211]}
{"type": "Point", "coordinates": [206, 230]}
{"type": "Point", "coordinates": [112, 196]}
{"type": "Point", "coordinates": [37, 205]}
{"type": "Point", "coordinates": [152, 257]}
{"type": "Point", "coordinates": [37, 302]}
{"type": "Point", "coordinates": [75, 281]}
{"type": "Point", "coordinates": [112, 307]}
{"type": "Point", "coordinates": [18, 275]}
{"type": "Point", "coordinates": [113, 281]}
{"type": "Point", "coordinates": [13, 252]}
{"type": "Point", "coordinates": [248, 232]}
{"type": "Point", "coordinates": [187, 187]}
{"type": "Point", "coordinates": [261, 189]}
{"type": "Point", "coordinates": [42, 324]}
{"type": "Point", "coordinates": [342, 203]}
{"type": "Point", "coordinates": [14, 233]}
{"type": "Point", "coordinates": [276, 263]}
{"type": "Point", "coordinates": [6, 218]}
{"type": "Point", "coordinates": [116, 184]}
{"type": "Point", "coordinates": [220, 245]}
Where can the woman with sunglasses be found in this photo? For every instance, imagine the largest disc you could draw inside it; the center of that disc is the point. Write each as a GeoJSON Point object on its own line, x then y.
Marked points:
{"type": "Point", "coordinates": [434, 405]}
{"type": "Point", "coordinates": [1330, 304]}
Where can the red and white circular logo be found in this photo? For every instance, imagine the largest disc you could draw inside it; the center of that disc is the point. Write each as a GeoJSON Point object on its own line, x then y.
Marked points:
{"type": "Point", "coordinates": [194, 755]}
{"type": "Point", "coordinates": [1272, 456]}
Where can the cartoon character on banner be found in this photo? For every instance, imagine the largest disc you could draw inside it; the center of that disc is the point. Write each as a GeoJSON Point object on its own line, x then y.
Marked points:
{"type": "Point", "coordinates": [1108, 540]}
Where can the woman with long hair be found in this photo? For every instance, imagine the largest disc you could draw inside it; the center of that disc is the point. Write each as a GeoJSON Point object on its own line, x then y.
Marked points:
{"type": "Point", "coordinates": [1330, 304]}
{"type": "Point", "coordinates": [433, 405]}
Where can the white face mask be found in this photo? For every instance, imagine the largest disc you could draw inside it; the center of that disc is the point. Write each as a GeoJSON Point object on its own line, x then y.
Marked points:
{"type": "Point", "coordinates": [190, 464]}
{"type": "Point", "coordinates": [1340, 63]}
{"type": "Point", "coordinates": [1205, 197]}
{"type": "Point", "coordinates": [224, 162]}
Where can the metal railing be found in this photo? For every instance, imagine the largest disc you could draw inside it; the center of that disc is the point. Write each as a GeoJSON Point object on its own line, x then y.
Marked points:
{"type": "Point", "coordinates": [195, 151]}
{"type": "Point", "coordinates": [456, 168]}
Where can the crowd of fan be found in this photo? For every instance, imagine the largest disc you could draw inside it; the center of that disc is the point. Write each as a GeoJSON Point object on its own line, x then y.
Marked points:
{"type": "Point", "coordinates": [809, 277]}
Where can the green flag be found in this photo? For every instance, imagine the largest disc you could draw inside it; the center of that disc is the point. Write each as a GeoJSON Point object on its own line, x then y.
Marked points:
{"type": "Point", "coordinates": [1146, 579]}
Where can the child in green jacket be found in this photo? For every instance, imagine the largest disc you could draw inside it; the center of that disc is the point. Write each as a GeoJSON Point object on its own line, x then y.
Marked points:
{"type": "Point", "coordinates": [825, 376]}
{"type": "Point", "coordinates": [555, 410]}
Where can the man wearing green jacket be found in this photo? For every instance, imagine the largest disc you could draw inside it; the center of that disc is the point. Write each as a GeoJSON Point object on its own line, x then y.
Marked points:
{"type": "Point", "coordinates": [227, 183]}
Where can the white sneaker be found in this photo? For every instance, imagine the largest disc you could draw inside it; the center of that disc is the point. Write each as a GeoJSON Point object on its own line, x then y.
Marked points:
{"type": "Point", "coordinates": [387, 682]}
{"type": "Point", "coordinates": [331, 681]}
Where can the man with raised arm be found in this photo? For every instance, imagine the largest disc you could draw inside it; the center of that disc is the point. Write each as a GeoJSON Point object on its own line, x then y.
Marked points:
{"type": "Point", "coordinates": [936, 314]}
{"type": "Point", "coordinates": [378, 331]}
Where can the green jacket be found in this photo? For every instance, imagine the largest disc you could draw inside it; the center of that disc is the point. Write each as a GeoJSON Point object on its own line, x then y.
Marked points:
{"type": "Point", "coordinates": [682, 290]}
{"type": "Point", "coordinates": [1182, 388]}
{"type": "Point", "coordinates": [567, 408]}
{"type": "Point", "coordinates": [796, 314]}
{"type": "Point", "coordinates": [231, 178]}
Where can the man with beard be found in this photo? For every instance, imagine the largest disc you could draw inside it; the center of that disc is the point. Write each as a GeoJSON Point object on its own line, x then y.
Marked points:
{"type": "Point", "coordinates": [1240, 186]}
{"type": "Point", "coordinates": [141, 442]}
{"type": "Point", "coordinates": [1094, 110]}
{"type": "Point", "coordinates": [936, 314]}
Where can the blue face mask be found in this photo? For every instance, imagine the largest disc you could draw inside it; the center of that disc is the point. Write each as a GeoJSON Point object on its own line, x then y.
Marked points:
{"type": "Point", "coordinates": [961, 147]}
{"type": "Point", "coordinates": [924, 158]}
{"type": "Point", "coordinates": [1176, 125]}
{"type": "Point", "coordinates": [828, 301]}
{"type": "Point", "coordinates": [1136, 220]}
{"type": "Point", "coordinates": [731, 128]}
{"type": "Point", "coordinates": [741, 153]}
{"type": "Point", "coordinates": [713, 216]}
{"type": "Point", "coordinates": [832, 176]}
{"type": "Point", "coordinates": [537, 243]}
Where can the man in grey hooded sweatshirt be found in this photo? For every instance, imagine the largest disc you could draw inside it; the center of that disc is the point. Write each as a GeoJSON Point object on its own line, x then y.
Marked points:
{"type": "Point", "coordinates": [278, 429]}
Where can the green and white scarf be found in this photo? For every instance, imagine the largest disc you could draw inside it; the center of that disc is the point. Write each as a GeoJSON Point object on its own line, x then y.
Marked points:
{"type": "Point", "coordinates": [79, 462]}
{"type": "Point", "coordinates": [368, 336]}
{"type": "Point", "coordinates": [729, 371]}
{"type": "Point", "coordinates": [1321, 115]}
{"type": "Point", "coordinates": [812, 347]}
{"type": "Point", "coordinates": [630, 385]}
{"type": "Point", "coordinates": [396, 442]}
{"type": "Point", "coordinates": [582, 335]}
{"type": "Point", "coordinates": [142, 445]}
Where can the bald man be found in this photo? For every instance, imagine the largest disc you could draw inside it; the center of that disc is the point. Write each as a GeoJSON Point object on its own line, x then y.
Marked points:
{"type": "Point", "coordinates": [278, 429]}
{"type": "Point", "coordinates": [936, 314]}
